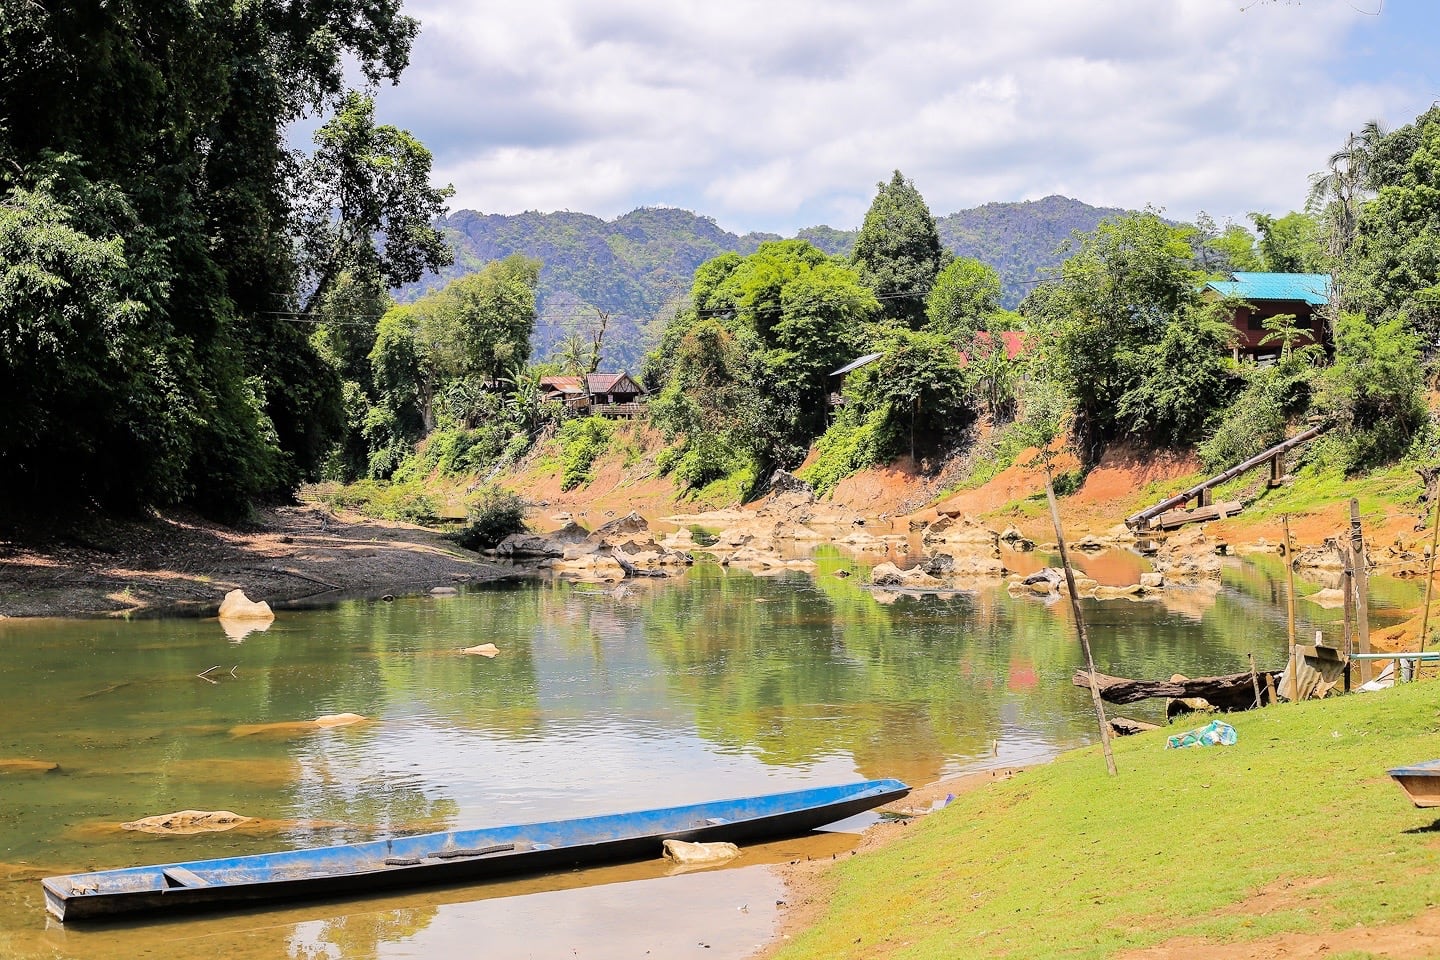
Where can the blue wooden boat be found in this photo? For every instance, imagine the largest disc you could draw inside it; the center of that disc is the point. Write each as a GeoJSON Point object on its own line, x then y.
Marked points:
{"type": "Point", "coordinates": [453, 856]}
{"type": "Point", "coordinates": [1420, 781]}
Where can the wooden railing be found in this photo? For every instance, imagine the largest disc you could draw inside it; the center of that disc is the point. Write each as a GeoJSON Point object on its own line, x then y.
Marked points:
{"type": "Point", "coordinates": [617, 409]}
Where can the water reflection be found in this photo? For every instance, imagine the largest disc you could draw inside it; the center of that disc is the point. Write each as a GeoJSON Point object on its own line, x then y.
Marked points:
{"type": "Point", "coordinates": [601, 699]}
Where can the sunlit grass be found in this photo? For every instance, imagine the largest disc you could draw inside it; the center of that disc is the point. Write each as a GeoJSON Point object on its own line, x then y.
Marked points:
{"type": "Point", "coordinates": [1064, 860]}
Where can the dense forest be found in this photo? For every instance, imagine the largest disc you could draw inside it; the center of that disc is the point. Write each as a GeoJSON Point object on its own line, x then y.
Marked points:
{"type": "Point", "coordinates": [193, 312]}
{"type": "Point", "coordinates": [162, 250]}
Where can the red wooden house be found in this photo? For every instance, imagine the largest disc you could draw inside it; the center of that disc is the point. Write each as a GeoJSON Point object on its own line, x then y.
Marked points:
{"type": "Point", "coordinates": [1260, 296]}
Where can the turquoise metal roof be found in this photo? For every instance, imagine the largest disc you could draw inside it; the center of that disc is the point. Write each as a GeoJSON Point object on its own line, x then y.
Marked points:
{"type": "Point", "coordinates": [1313, 288]}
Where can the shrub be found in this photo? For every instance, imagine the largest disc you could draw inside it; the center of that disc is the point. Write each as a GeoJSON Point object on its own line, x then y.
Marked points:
{"type": "Point", "coordinates": [495, 515]}
{"type": "Point", "coordinates": [406, 502]}
{"type": "Point", "coordinates": [846, 447]}
{"type": "Point", "coordinates": [581, 442]}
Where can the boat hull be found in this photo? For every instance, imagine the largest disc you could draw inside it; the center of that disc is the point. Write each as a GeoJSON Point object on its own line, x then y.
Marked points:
{"type": "Point", "coordinates": [452, 857]}
{"type": "Point", "coordinates": [1420, 781]}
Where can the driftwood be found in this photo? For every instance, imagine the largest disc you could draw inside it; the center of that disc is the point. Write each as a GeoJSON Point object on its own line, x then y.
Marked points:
{"type": "Point", "coordinates": [633, 571]}
{"type": "Point", "coordinates": [1127, 727]}
{"type": "Point", "coordinates": [1232, 692]}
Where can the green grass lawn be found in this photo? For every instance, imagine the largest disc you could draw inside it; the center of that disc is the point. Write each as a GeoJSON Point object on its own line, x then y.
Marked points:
{"type": "Point", "coordinates": [1065, 861]}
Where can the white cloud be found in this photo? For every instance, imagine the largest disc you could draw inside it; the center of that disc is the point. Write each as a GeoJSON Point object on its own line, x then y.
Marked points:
{"type": "Point", "coordinates": [770, 114]}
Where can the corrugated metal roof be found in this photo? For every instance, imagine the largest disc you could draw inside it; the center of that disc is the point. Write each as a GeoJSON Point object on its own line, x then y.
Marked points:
{"type": "Point", "coordinates": [1312, 288]}
{"type": "Point", "coordinates": [562, 384]}
{"type": "Point", "coordinates": [857, 364]}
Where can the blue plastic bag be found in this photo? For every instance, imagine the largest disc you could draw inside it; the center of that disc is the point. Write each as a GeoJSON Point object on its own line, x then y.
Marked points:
{"type": "Point", "coordinates": [1214, 732]}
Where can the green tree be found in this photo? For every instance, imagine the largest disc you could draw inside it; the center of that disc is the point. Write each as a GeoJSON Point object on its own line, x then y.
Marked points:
{"type": "Point", "coordinates": [365, 182]}
{"type": "Point", "coordinates": [898, 251]}
{"type": "Point", "coordinates": [1234, 249]}
{"type": "Point", "coordinates": [177, 113]}
{"type": "Point", "coordinates": [966, 294]}
{"type": "Point", "coordinates": [711, 404]}
{"type": "Point", "coordinates": [494, 312]}
{"type": "Point", "coordinates": [1374, 390]}
{"type": "Point", "coordinates": [795, 314]}
{"type": "Point", "coordinates": [1340, 191]}
{"type": "Point", "coordinates": [1123, 332]}
{"type": "Point", "coordinates": [1394, 267]}
{"type": "Point", "coordinates": [1290, 244]}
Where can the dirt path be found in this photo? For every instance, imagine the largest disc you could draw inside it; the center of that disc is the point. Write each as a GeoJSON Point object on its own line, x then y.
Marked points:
{"type": "Point", "coordinates": [181, 564]}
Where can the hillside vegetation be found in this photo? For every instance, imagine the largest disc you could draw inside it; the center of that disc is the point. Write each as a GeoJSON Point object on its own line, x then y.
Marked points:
{"type": "Point", "coordinates": [640, 264]}
{"type": "Point", "coordinates": [1126, 345]}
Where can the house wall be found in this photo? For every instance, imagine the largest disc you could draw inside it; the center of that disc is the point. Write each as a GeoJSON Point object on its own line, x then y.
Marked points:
{"type": "Point", "coordinates": [1250, 330]}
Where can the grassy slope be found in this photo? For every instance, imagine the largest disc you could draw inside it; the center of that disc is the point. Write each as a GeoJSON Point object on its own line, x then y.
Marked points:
{"type": "Point", "coordinates": [1064, 861]}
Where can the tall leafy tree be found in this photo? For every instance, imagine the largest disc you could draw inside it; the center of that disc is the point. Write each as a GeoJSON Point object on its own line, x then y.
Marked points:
{"type": "Point", "coordinates": [1394, 267]}
{"type": "Point", "coordinates": [176, 113]}
{"type": "Point", "coordinates": [898, 251]}
{"type": "Point", "coordinates": [965, 296]}
{"type": "Point", "coordinates": [1124, 331]}
{"type": "Point", "coordinates": [365, 204]}
{"type": "Point", "coordinates": [1290, 244]}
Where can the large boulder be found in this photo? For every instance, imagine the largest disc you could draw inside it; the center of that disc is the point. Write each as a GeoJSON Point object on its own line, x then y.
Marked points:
{"type": "Point", "coordinates": [529, 545]}
{"type": "Point", "coordinates": [237, 606]}
{"type": "Point", "coordinates": [625, 527]}
{"type": "Point", "coordinates": [889, 575]}
{"type": "Point", "coordinates": [572, 532]}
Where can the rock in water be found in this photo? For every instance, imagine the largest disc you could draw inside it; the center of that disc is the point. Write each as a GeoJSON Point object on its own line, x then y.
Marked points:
{"type": "Point", "coordinates": [338, 719]}
{"type": "Point", "coordinates": [237, 606]}
{"type": "Point", "coordinates": [188, 821]}
{"type": "Point", "coordinates": [682, 852]}
{"type": "Point", "coordinates": [483, 650]}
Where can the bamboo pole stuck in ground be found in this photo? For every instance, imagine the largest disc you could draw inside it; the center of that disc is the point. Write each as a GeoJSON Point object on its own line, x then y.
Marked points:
{"type": "Point", "coordinates": [1255, 682]}
{"type": "Point", "coordinates": [1362, 588]}
{"type": "Point", "coordinates": [1429, 582]}
{"type": "Point", "coordinates": [1080, 625]}
{"type": "Point", "coordinates": [1290, 599]}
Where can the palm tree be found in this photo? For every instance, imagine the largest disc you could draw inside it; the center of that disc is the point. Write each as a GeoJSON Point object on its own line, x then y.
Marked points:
{"type": "Point", "coordinates": [1339, 192]}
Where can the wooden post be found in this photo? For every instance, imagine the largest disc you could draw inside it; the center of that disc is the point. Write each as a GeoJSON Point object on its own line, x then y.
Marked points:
{"type": "Point", "coordinates": [1347, 586]}
{"type": "Point", "coordinates": [1254, 680]}
{"type": "Point", "coordinates": [1080, 626]}
{"type": "Point", "coordinates": [1290, 600]}
{"type": "Point", "coordinates": [1362, 588]}
{"type": "Point", "coordinates": [1429, 584]}
{"type": "Point", "coordinates": [1277, 469]}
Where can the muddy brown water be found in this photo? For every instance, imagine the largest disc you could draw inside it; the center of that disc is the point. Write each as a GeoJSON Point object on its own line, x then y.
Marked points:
{"type": "Point", "coordinates": [715, 684]}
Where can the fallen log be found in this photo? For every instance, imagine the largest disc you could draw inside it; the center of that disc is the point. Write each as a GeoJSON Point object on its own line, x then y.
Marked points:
{"type": "Point", "coordinates": [1232, 692]}
{"type": "Point", "coordinates": [1127, 727]}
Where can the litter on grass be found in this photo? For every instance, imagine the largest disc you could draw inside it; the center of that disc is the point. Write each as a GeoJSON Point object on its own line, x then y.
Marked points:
{"type": "Point", "coordinates": [1214, 732]}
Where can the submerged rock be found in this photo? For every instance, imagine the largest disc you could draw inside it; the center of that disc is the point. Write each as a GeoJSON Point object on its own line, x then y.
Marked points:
{"type": "Point", "coordinates": [188, 821]}
{"type": "Point", "coordinates": [338, 719]}
{"type": "Point", "coordinates": [28, 766]}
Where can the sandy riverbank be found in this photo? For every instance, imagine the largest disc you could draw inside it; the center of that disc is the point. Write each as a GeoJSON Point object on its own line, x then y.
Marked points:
{"type": "Point", "coordinates": [178, 564]}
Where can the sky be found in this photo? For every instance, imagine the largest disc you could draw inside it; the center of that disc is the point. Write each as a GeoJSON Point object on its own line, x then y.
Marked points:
{"type": "Point", "coordinates": [779, 114]}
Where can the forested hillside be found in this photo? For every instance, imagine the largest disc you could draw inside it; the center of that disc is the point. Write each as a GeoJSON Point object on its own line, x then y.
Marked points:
{"type": "Point", "coordinates": [637, 265]}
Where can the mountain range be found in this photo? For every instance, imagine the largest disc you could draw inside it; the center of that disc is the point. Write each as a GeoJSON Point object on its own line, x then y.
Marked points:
{"type": "Point", "coordinates": [635, 268]}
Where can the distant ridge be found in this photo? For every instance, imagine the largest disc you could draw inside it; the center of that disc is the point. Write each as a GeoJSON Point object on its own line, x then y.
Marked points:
{"type": "Point", "coordinates": [632, 267]}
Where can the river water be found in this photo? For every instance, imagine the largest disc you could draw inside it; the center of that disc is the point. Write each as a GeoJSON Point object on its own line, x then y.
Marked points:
{"type": "Point", "coordinates": [719, 683]}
